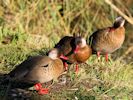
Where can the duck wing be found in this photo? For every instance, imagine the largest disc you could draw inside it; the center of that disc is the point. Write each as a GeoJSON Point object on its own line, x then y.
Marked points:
{"type": "Point", "coordinates": [25, 67]}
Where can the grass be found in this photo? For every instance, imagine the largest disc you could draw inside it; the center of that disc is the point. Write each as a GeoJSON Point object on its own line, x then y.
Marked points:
{"type": "Point", "coordinates": [30, 28]}
{"type": "Point", "coordinates": [97, 80]}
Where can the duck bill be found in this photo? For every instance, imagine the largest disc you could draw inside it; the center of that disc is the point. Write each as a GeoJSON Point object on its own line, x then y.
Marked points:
{"type": "Point", "coordinates": [76, 49]}
{"type": "Point", "coordinates": [63, 57]}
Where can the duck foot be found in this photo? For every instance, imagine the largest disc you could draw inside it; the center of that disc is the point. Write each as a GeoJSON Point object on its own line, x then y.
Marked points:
{"type": "Point", "coordinates": [37, 86]}
{"type": "Point", "coordinates": [66, 66]}
{"type": "Point", "coordinates": [41, 91]}
{"type": "Point", "coordinates": [77, 69]}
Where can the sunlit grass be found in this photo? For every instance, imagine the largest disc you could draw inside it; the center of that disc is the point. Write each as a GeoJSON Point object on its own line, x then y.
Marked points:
{"type": "Point", "coordinates": [97, 80]}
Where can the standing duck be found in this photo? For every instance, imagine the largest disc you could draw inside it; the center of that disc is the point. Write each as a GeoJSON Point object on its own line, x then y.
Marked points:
{"type": "Point", "coordinates": [38, 69]}
{"type": "Point", "coordinates": [73, 49]}
{"type": "Point", "coordinates": [108, 40]}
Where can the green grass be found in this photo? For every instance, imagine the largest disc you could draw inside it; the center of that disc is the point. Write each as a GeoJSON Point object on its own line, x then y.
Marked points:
{"type": "Point", "coordinates": [96, 81]}
{"type": "Point", "coordinates": [30, 28]}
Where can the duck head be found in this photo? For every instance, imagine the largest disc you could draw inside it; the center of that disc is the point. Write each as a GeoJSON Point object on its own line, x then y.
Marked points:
{"type": "Point", "coordinates": [53, 54]}
{"type": "Point", "coordinates": [80, 42]}
{"type": "Point", "coordinates": [119, 22]}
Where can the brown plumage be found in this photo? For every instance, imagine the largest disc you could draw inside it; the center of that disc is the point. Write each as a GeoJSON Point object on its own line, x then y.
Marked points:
{"type": "Point", "coordinates": [38, 69]}
{"type": "Point", "coordinates": [109, 39]}
{"type": "Point", "coordinates": [74, 48]}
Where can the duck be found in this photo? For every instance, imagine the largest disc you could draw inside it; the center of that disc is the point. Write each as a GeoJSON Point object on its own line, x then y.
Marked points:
{"type": "Point", "coordinates": [73, 49]}
{"type": "Point", "coordinates": [38, 69]}
{"type": "Point", "coordinates": [107, 40]}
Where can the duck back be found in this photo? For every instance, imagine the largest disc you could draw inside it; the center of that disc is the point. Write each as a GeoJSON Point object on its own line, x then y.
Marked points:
{"type": "Point", "coordinates": [107, 41]}
{"type": "Point", "coordinates": [37, 69]}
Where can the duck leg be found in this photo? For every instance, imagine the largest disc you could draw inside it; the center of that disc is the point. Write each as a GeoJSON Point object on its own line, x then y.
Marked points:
{"type": "Point", "coordinates": [66, 66]}
{"type": "Point", "coordinates": [64, 58]}
{"type": "Point", "coordinates": [98, 54]}
{"type": "Point", "coordinates": [106, 57]}
{"type": "Point", "coordinates": [77, 68]}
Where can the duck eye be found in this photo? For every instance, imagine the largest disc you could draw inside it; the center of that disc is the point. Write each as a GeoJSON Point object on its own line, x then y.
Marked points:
{"type": "Point", "coordinates": [78, 41]}
{"type": "Point", "coordinates": [45, 65]}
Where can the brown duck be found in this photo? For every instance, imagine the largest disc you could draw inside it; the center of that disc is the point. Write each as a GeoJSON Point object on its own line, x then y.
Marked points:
{"type": "Point", "coordinates": [38, 69]}
{"type": "Point", "coordinates": [73, 49]}
{"type": "Point", "coordinates": [108, 40]}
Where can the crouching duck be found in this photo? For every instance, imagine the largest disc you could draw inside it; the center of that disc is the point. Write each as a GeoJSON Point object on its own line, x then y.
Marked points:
{"type": "Point", "coordinates": [73, 49]}
{"type": "Point", "coordinates": [108, 40]}
{"type": "Point", "coordinates": [38, 69]}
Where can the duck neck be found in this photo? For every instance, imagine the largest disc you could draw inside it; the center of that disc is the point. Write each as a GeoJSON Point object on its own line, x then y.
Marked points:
{"type": "Point", "coordinates": [111, 29]}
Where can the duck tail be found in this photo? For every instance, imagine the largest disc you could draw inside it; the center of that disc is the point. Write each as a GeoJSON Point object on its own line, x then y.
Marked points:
{"type": "Point", "coordinates": [4, 79]}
